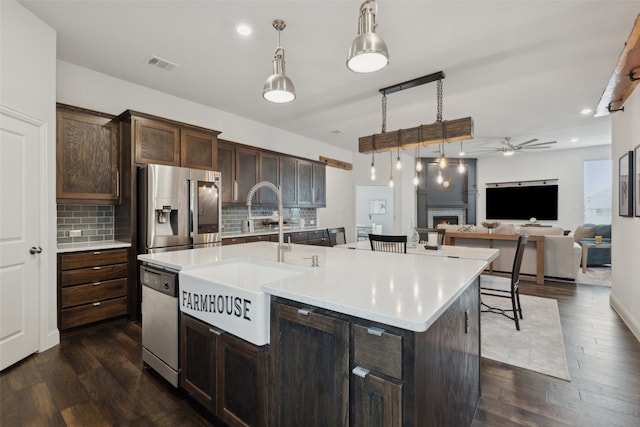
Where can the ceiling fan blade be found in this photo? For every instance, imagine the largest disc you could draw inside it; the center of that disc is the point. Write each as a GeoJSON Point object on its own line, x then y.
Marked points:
{"type": "Point", "coordinates": [540, 144]}
{"type": "Point", "coordinates": [522, 144]}
{"type": "Point", "coordinates": [534, 148]}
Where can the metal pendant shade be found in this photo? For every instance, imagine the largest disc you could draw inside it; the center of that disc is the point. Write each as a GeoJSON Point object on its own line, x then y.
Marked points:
{"type": "Point", "coordinates": [368, 52]}
{"type": "Point", "coordinates": [279, 88]}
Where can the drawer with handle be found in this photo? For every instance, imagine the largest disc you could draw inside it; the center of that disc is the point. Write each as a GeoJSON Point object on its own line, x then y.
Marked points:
{"type": "Point", "coordinates": [93, 274]}
{"type": "Point", "coordinates": [92, 292]}
{"type": "Point", "coordinates": [92, 258]}
{"type": "Point", "coordinates": [377, 350]}
{"type": "Point", "coordinates": [83, 314]}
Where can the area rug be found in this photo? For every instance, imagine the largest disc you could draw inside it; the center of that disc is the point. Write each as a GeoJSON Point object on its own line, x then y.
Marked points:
{"type": "Point", "coordinates": [537, 346]}
{"type": "Point", "coordinates": [595, 276]}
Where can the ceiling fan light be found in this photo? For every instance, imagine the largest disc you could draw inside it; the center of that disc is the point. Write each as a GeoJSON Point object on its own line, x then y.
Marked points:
{"type": "Point", "coordinates": [508, 152]}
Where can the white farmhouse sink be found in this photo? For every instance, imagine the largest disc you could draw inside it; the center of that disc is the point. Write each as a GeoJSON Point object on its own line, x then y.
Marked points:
{"type": "Point", "coordinates": [229, 295]}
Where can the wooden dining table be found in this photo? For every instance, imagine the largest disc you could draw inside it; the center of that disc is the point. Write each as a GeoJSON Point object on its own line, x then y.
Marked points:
{"type": "Point", "coordinates": [447, 251]}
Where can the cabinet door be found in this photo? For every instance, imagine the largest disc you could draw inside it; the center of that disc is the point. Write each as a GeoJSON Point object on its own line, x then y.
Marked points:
{"type": "Point", "coordinates": [319, 185]}
{"type": "Point", "coordinates": [376, 402]}
{"type": "Point", "coordinates": [305, 183]}
{"type": "Point", "coordinates": [199, 359]}
{"type": "Point", "coordinates": [87, 159]}
{"type": "Point", "coordinates": [242, 400]}
{"type": "Point", "coordinates": [246, 171]}
{"type": "Point", "coordinates": [310, 354]}
{"type": "Point", "coordinates": [156, 142]}
{"type": "Point", "coordinates": [288, 180]}
{"type": "Point", "coordinates": [269, 171]}
{"type": "Point", "coordinates": [198, 150]}
{"type": "Point", "coordinates": [227, 169]}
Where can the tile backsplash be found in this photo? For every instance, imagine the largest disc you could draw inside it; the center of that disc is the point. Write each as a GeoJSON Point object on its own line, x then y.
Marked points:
{"type": "Point", "coordinates": [95, 223]}
{"type": "Point", "coordinates": [232, 217]}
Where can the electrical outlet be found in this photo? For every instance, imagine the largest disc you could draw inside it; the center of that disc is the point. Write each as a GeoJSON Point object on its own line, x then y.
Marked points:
{"type": "Point", "coordinates": [75, 233]}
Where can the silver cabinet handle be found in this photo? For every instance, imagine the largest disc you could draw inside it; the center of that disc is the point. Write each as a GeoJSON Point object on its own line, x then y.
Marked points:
{"type": "Point", "coordinates": [118, 183]}
{"type": "Point", "coordinates": [215, 331]}
{"type": "Point", "coordinates": [96, 283]}
{"type": "Point", "coordinates": [360, 371]}
{"type": "Point", "coordinates": [95, 304]}
{"type": "Point", "coordinates": [35, 250]}
{"type": "Point", "coordinates": [235, 190]}
{"type": "Point", "coordinates": [305, 311]}
{"type": "Point", "coordinates": [375, 331]}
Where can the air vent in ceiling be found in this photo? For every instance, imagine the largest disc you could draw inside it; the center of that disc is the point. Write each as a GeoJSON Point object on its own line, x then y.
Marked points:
{"type": "Point", "coordinates": [163, 64]}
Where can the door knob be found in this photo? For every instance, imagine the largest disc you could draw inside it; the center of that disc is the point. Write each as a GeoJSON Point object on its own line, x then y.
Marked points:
{"type": "Point", "coordinates": [35, 250]}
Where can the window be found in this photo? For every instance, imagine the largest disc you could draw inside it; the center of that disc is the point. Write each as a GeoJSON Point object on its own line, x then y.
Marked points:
{"type": "Point", "coordinates": [597, 187]}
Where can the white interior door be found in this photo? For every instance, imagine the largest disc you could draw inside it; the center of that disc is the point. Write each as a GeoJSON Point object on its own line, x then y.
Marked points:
{"type": "Point", "coordinates": [19, 236]}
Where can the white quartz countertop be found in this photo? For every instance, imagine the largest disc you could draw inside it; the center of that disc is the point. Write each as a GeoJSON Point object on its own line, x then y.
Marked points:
{"type": "Point", "coordinates": [408, 291]}
{"type": "Point", "coordinates": [447, 251]}
{"type": "Point", "coordinates": [92, 246]}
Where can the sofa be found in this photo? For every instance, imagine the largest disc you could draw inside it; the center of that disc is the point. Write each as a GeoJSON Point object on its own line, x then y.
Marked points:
{"type": "Point", "coordinates": [562, 254]}
{"type": "Point", "coordinates": [586, 233]}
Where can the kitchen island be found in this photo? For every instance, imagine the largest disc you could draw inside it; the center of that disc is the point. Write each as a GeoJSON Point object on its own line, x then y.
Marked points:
{"type": "Point", "coordinates": [364, 334]}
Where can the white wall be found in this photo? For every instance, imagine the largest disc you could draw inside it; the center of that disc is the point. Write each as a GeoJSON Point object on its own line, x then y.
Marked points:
{"type": "Point", "coordinates": [28, 61]}
{"type": "Point", "coordinates": [564, 165]}
{"type": "Point", "coordinates": [625, 232]}
{"type": "Point", "coordinates": [340, 202]}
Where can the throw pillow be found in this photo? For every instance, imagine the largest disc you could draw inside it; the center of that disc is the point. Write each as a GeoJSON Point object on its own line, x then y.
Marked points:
{"type": "Point", "coordinates": [583, 233]}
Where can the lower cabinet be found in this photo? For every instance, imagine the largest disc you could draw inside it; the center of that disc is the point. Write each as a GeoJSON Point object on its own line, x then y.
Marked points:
{"type": "Point", "coordinates": [376, 401]}
{"type": "Point", "coordinates": [225, 374]}
{"type": "Point", "coordinates": [310, 362]}
{"type": "Point", "coordinates": [92, 286]}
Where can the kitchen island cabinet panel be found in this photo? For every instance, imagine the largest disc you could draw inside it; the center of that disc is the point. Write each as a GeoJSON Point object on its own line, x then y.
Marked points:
{"type": "Point", "coordinates": [310, 354]}
{"type": "Point", "coordinates": [199, 360]}
{"type": "Point", "coordinates": [243, 383]}
{"type": "Point", "coordinates": [376, 402]}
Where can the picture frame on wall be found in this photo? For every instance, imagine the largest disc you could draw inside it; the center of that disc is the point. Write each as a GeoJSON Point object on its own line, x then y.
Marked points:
{"type": "Point", "coordinates": [625, 185]}
{"type": "Point", "coordinates": [636, 183]}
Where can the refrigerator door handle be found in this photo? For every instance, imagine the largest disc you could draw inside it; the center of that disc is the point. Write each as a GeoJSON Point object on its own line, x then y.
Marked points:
{"type": "Point", "coordinates": [193, 202]}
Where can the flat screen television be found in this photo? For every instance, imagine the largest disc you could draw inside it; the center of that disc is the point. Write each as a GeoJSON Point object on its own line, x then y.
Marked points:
{"type": "Point", "coordinates": [522, 202]}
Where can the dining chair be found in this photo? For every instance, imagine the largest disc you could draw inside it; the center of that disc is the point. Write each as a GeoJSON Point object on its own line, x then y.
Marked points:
{"type": "Point", "coordinates": [505, 287]}
{"type": "Point", "coordinates": [424, 234]}
{"type": "Point", "coordinates": [388, 243]}
{"type": "Point", "coordinates": [336, 236]}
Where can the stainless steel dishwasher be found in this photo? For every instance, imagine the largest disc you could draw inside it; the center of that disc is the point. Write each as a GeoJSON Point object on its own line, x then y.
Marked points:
{"type": "Point", "coordinates": [160, 318]}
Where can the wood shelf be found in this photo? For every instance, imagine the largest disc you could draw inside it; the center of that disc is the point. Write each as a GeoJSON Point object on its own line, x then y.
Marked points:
{"type": "Point", "coordinates": [621, 83]}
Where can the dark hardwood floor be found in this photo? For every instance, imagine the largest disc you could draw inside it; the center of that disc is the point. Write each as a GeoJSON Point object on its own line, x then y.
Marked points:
{"type": "Point", "coordinates": [95, 377]}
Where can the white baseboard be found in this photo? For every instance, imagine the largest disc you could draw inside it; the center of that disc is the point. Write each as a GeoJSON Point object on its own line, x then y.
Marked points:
{"type": "Point", "coordinates": [626, 316]}
{"type": "Point", "coordinates": [52, 339]}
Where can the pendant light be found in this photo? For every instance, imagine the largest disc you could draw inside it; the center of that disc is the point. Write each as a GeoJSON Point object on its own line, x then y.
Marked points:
{"type": "Point", "coordinates": [442, 161]}
{"type": "Point", "coordinates": [368, 52]}
{"type": "Point", "coordinates": [278, 88]}
{"type": "Point", "coordinates": [398, 162]}
{"type": "Point", "coordinates": [391, 169]}
{"type": "Point", "coordinates": [418, 158]}
{"type": "Point", "coordinates": [461, 167]}
{"type": "Point", "coordinates": [373, 167]}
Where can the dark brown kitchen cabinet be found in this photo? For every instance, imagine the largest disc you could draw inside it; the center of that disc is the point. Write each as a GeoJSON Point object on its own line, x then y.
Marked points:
{"type": "Point", "coordinates": [163, 141]}
{"type": "Point", "coordinates": [376, 377]}
{"type": "Point", "coordinates": [247, 165]}
{"type": "Point", "coordinates": [303, 182]}
{"type": "Point", "coordinates": [239, 167]}
{"type": "Point", "coordinates": [227, 169]}
{"type": "Point", "coordinates": [270, 172]}
{"type": "Point", "coordinates": [242, 397]}
{"type": "Point", "coordinates": [225, 374]}
{"type": "Point", "coordinates": [310, 354]}
{"type": "Point", "coordinates": [319, 179]}
{"type": "Point", "coordinates": [92, 286]}
{"type": "Point", "coordinates": [233, 241]}
{"type": "Point", "coordinates": [199, 358]}
{"type": "Point", "coordinates": [87, 157]}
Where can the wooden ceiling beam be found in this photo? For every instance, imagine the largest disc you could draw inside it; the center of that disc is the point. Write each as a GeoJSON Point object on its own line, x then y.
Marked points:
{"type": "Point", "coordinates": [456, 130]}
{"type": "Point", "coordinates": [621, 83]}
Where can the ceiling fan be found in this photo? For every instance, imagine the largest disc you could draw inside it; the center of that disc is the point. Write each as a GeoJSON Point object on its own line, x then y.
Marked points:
{"type": "Point", "coordinates": [508, 148]}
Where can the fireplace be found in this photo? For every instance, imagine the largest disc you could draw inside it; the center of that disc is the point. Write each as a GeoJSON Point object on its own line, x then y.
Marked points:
{"type": "Point", "coordinates": [445, 219]}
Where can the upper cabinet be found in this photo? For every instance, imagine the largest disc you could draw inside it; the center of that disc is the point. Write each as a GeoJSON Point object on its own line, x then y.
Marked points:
{"type": "Point", "coordinates": [166, 142]}
{"type": "Point", "coordinates": [302, 182]}
{"type": "Point", "coordinates": [87, 157]}
{"type": "Point", "coordinates": [239, 168]}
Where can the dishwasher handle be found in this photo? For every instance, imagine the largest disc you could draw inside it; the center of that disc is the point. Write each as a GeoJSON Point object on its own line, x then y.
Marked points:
{"type": "Point", "coordinates": [162, 281]}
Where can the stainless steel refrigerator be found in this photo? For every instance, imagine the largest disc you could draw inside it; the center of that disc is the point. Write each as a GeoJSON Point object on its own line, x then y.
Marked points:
{"type": "Point", "coordinates": [178, 208]}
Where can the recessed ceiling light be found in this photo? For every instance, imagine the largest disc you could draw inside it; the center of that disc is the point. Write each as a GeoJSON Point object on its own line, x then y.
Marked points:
{"type": "Point", "coordinates": [586, 111]}
{"type": "Point", "coordinates": [575, 139]}
{"type": "Point", "coordinates": [244, 30]}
